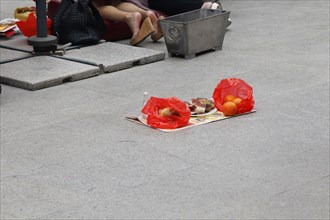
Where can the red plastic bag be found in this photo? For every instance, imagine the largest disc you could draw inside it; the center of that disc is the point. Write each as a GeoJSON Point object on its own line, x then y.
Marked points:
{"type": "Point", "coordinates": [29, 27]}
{"type": "Point", "coordinates": [237, 88]}
{"type": "Point", "coordinates": [166, 113]}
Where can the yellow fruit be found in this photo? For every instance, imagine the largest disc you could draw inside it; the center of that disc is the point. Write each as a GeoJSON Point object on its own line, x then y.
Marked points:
{"type": "Point", "coordinates": [167, 112]}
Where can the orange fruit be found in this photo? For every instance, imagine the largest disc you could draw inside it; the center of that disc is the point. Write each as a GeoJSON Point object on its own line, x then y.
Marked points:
{"type": "Point", "coordinates": [228, 98]}
{"type": "Point", "coordinates": [237, 100]}
{"type": "Point", "coordinates": [229, 108]}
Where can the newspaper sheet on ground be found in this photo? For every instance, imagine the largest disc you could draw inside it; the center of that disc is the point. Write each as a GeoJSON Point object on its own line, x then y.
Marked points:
{"type": "Point", "coordinates": [194, 120]}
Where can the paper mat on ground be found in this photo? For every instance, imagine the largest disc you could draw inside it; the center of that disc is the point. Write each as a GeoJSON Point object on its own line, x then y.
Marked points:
{"type": "Point", "coordinates": [194, 121]}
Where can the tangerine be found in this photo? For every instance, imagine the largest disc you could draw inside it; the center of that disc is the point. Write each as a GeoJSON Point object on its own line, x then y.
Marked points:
{"type": "Point", "coordinates": [228, 98]}
{"type": "Point", "coordinates": [229, 108]}
{"type": "Point", "coordinates": [237, 100]}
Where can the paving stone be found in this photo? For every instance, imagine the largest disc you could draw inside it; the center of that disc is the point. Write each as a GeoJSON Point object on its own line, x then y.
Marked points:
{"type": "Point", "coordinates": [38, 75]}
{"type": "Point", "coordinates": [18, 42]}
{"type": "Point", "coordinates": [44, 71]}
{"type": "Point", "coordinates": [115, 56]}
{"type": "Point", "coordinates": [112, 56]}
{"type": "Point", "coordinates": [7, 55]}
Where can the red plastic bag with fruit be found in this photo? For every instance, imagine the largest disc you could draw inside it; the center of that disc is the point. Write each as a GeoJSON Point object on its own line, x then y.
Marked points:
{"type": "Point", "coordinates": [166, 113]}
{"type": "Point", "coordinates": [29, 26]}
{"type": "Point", "coordinates": [233, 96]}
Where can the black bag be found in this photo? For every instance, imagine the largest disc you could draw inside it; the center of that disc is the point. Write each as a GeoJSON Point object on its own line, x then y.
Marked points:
{"type": "Point", "coordinates": [78, 22]}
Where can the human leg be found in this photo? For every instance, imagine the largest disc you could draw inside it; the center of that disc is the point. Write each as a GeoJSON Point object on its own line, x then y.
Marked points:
{"type": "Point", "coordinates": [130, 7]}
{"type": "Point", "coordinates": [109, 10]}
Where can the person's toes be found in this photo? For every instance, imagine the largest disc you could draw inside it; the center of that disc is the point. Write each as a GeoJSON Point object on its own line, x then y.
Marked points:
{"type": "Point", "coordinates": [146, 30]}
{"type": "Point", "coordinates": [207, 5]}
{"type": "Point", "coordinates": [134, 21]}
{"type": "Point", "coordinates": [153, 19]}
{"type": "Point", "coordinates": [157, 34]}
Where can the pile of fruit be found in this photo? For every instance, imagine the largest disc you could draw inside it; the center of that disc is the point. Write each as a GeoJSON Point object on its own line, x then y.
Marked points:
{"type": "Point", "coordinates": [229, 106]}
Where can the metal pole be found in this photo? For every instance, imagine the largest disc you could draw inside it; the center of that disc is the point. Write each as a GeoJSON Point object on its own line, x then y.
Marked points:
{"type": "Point", "coordinates": [42, 42]}
{"type": "Point", "coordinates": [41, 18]}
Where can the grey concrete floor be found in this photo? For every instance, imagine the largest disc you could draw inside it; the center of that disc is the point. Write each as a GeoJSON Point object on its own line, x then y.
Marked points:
{"type": "Point", "coordinates": [68, 153]}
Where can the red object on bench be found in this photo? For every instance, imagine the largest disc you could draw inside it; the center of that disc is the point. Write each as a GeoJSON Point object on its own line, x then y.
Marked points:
{"type": "Point", "coordinates": [115, 30]}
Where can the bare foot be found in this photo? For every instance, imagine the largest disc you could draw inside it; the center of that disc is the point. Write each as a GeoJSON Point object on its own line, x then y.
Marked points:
{"type": "Point", "coordinates": [159, 34]}
{"type": "Point", "coordinates": [155, 23]}
{"type": "Point", "coordinates": [207, 5]}
{"type": "Point", "coordinates": [133, 19]}
{"type": "Point", "coordinates": [154, 20]}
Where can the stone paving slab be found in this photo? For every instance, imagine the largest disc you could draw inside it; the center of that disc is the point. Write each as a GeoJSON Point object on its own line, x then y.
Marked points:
{"type": "Point", "coordinates": [7, 55]}
{"type": "Point", "coordinates": [44, 71]}
{"type": "Point", "coordinates": [17, 42]}
{"type": "Point", "coordinates": [40, 72]}
{"type": "Point", "coordinates": [115, 56]}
